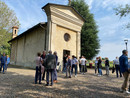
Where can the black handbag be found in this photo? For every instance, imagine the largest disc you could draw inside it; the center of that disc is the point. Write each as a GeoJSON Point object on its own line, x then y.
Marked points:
{"type": "Point", "coordinates": [113, 70]}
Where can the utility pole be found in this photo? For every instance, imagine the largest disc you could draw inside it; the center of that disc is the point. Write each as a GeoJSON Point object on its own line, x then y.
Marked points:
{"type": "Point", "coordinates": [69, 2]}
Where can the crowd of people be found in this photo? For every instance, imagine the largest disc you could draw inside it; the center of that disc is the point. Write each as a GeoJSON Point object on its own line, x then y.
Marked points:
{"type": "Point", "coordinates": [98, 66]}
{"type": "Point", "coordinates": [72, 63]}
{"type": "Point", "coordinates": [47, 63]}
{"type": "Point", "coordinates": [120, 65]}
{"type": "Point", "coordinates": [5, 60]}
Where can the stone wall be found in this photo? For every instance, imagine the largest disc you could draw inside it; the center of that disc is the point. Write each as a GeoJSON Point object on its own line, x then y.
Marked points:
{"type": "Point", "coordinates": [24, 49]}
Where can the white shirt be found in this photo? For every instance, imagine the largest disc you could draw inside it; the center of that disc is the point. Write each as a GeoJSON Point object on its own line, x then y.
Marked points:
{"type": "Point", "coordinates": [116, 62]}
{"type": "Point", "coordinates": [38, 61]}
{"type": "Point", "coordinates": [96, 61]}
{"type": "Point", "coordinates": [83, 61]}
{"type": "Point", "coordinates": [74, 61]}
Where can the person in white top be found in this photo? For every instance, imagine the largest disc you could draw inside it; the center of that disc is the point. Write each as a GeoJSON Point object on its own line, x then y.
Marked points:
{"type": "Point", "coordinates": [117, 67]}
{"type": "Point", "coordinates": [39, 62]}
{"type": "Point", "coordinates": [83, 64]}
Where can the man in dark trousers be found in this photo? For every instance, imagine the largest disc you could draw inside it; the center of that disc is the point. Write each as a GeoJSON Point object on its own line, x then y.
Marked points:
{"type": "Point", "coordinates": [124, 69]}
{"type": "Point", "coordinates": [55, 71]}
{"type": "Point", "coordinates": [64, 63]}
{"type": "Point", "coordinates": [69, 66]}
{"type": "Point", "coordinates": [50, 66]}
{"type": "Point", "coordinates": [117, 66]}
{"type": "Point", "coordinates": [43, 57]}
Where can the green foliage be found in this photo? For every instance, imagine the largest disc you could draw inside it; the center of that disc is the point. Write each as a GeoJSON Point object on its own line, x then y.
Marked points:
{"type": "Point", "coordinates": [8, 19]}
{"type": "Point", "coordinates": [123, 12]}
{"type": "Point", "coordinates": [89, 37]}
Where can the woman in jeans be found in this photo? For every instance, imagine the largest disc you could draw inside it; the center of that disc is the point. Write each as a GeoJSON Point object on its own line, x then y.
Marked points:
{"type": "Point", "coordinates": [39, 62]}
{"type": "Point", "coordinates": [100, 66]}
{"type": "Point", "coordinates": [74, 65]}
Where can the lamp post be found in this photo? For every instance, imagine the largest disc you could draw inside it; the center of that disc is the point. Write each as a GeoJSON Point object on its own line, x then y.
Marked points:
{"type": "Point", "coordinates": [126, 42]}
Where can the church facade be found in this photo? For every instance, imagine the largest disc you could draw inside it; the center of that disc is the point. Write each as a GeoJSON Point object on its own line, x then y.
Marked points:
{"type": "Point", "coordinates": [61, 33]}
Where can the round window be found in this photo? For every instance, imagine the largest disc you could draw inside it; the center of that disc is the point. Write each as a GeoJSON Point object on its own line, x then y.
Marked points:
{"type": "Point", "coordinates": [66, 37]}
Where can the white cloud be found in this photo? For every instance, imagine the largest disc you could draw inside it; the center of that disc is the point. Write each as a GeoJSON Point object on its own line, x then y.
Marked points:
{"type": "Point", "coordinates": [110, 4]}
{"type": "Point", "coordinates": [111, 25]}
{"type": "Point", "coordinates": [115, 2]}
{"type": "Point", "coordinates": [111, 50]}
{"type": "Point", "coordinates": [106, 4]}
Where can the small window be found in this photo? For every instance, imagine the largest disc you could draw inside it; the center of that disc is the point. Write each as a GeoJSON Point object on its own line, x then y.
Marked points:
{"type": "Point", "coordinates": [66, 37]}
{"type": "Point", "coordinates": [15, 32]}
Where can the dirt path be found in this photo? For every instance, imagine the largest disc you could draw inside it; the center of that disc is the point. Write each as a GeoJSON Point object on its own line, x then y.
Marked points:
{"type": "Point", "coordinates": [19, 83]}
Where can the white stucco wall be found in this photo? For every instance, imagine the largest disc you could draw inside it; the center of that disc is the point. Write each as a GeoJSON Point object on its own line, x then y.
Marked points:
{"type": "Point", "coordinates": [26, 48]}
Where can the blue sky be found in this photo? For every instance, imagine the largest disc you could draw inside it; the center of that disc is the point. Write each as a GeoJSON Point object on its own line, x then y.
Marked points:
{"type": "Point", "coordinates": [112, 31]}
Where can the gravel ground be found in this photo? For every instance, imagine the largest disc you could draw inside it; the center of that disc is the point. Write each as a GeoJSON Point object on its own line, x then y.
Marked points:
{"type": "Point", "coordinates": [19, 83]}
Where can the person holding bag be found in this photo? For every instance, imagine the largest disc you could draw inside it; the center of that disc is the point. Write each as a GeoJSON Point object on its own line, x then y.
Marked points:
{"type": "Point", "coordinates": [117, 67]}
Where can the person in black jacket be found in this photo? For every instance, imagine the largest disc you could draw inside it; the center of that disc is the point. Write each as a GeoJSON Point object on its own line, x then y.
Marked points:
{"type": "Point", "coordinates": [107, 66]}
{"type": "Point", "coordinates": [50, 65]}
{"type": "Point", "coordinates": [100, 66]}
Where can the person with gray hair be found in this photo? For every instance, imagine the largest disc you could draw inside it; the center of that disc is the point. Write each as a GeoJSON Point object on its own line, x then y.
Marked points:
{"type": "Point", "coordinates": [117, 67]}
{"type": "Point", "coordinates": [124, 67]}
{"type": "Point", "coordinates": [50, 65]}
{"type": "Point", "coordinates": [83, 64]}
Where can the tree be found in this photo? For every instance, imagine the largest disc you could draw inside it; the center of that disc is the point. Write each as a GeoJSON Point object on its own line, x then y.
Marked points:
{"type": "Point", "coordinates": [89, 37]}
{"type": "Point", "coordinates": [8, 19]}
{"type": "Point", "coordinates": [123, 12]}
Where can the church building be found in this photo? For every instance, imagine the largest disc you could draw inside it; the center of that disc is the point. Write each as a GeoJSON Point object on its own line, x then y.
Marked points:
{"type": "Point", "coordinates": [61, 33]}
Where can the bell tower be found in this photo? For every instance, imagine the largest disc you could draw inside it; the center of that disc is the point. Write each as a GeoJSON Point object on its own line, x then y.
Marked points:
{"type": "Point", "coordinates": [14, 31]}
{"type": "Point", "coordinates": [69, 2]}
